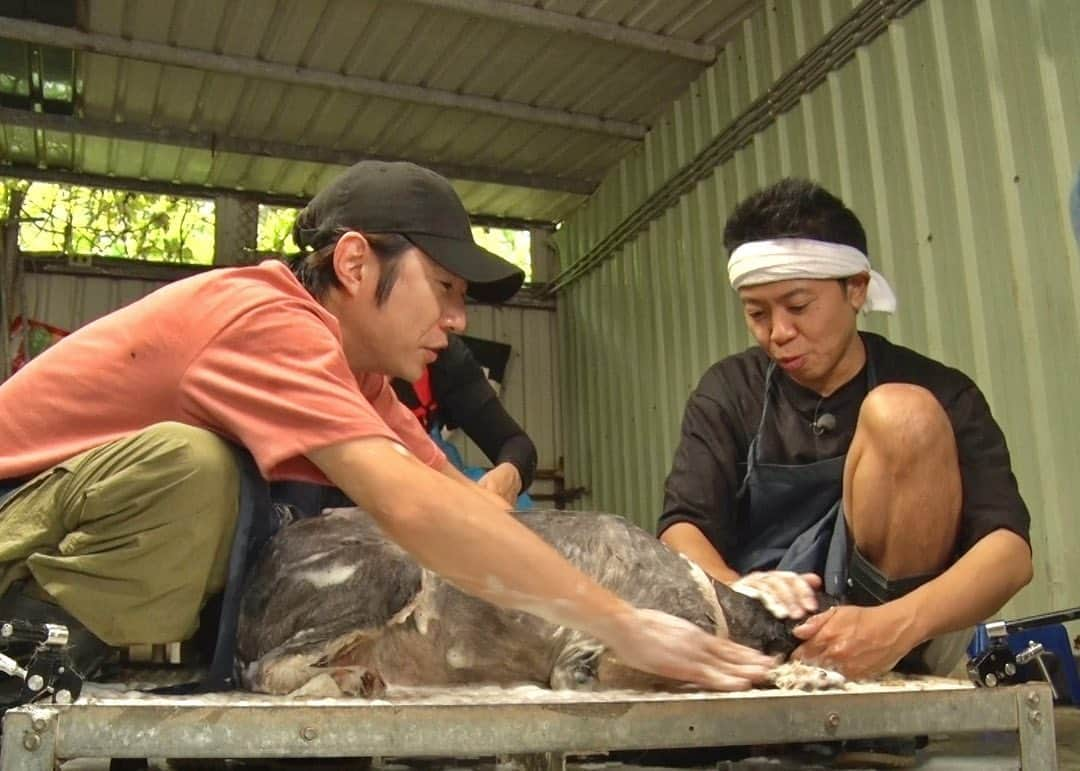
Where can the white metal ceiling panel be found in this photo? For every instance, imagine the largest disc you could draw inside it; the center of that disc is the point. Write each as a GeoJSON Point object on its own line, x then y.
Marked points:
{"type": "Point", "coordinates": [221, 115]}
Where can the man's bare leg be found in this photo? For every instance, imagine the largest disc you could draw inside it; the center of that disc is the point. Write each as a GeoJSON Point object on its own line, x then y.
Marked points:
{"type": "Point", "coordinates": [902, 488]}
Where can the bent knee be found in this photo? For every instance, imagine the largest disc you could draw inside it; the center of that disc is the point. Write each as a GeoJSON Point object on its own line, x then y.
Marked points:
{"type": "Point", "coordinates": [906, 417]}
{"type": "Point", "coordinates": [201, 457]}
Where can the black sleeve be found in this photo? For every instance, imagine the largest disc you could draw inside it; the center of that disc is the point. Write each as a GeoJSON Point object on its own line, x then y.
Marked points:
{"type": "Point", "coordinates": [466, 399]}
{"type": "Point", "coordinates": [405, 392]}
{"type": "Point", "coordinates": [501, 438]}
{"type": "Point", "coordinates": [991, 496]}
{"type": "Point", "coordinates": [703, 482]}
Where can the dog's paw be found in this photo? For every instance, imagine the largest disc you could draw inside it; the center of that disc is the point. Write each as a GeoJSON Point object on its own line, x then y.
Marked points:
{"type": "Point", "coordinates": [797, 676]}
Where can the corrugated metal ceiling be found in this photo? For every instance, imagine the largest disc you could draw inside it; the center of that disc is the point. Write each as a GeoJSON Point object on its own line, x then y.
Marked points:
{"type": "Point", "coordinates": [527, 105]}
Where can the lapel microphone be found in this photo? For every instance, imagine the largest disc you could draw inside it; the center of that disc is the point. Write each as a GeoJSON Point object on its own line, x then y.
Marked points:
{"type": "Point", "coordinates": [824, 422]}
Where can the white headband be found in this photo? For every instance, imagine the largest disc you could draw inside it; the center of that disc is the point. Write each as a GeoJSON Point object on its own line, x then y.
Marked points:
{"type": "Point", "coordinates": [782, 259]}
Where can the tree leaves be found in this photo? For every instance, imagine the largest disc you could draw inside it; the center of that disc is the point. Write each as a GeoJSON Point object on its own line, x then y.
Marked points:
{"type": "Point", "coordinates": [77, 220]}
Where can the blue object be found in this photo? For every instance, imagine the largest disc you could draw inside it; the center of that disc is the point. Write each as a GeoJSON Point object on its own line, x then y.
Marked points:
{"type": "Point", "coordinates": [1074, 208]}
{"type": "Point", "coordinates": [524, 502]}
{"type": "Point", "coordinates": [1054, 639]}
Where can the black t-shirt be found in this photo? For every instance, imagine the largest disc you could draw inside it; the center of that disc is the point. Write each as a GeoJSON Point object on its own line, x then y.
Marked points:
{"type": "Point", "coordinates": [722, 416]}
{"type": "Point", "coordinates": [465, 398]}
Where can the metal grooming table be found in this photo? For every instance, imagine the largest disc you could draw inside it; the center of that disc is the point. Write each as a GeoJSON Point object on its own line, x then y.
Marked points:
{"type": "Point", "coordinates": [537, 728]}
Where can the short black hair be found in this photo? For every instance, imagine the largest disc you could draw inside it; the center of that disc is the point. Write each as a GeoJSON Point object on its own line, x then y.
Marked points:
{"type": "Point", "coordinates": [315, 270]}
{"type": "Point", "coordinates": [794, 208]}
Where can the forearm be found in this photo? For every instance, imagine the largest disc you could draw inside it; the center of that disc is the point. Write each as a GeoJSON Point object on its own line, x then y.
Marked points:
{"type": "Point", "coordinates": [688, 540]}
{"type": "Point", "coordinates": [455, 530]}
{"type": "Point", "coordinates": [519, 451]}
{"type": "Point", "coordinates": [970, 591]}
{"type": "Point", "coordinates": [450, 471]}
{"type": "Point", "coordinates": [499, 436]}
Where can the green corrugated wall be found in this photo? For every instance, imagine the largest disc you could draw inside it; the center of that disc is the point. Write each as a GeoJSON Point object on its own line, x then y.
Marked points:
{"type": "Point", "coordinates": [955, 136]}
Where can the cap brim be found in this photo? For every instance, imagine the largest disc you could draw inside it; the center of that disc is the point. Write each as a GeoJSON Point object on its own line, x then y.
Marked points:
{"type": "Point", "coordinates": [491, 279]}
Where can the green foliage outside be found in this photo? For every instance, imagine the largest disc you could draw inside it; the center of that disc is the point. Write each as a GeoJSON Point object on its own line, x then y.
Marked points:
{"type": "Point", "coordinates": [512, 245]}
{"type": "Point", "coordinates": [79, 220]}
{"type": "Point", "coordinates": [276, 222]}
{"type": "Point", "coordinates": [75, 220]}
{"type": "Point", "coordinates": [275, 229]}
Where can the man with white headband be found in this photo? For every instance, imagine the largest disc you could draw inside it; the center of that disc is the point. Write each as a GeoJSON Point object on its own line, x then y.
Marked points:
{"type": "Point", "coordinates": [826, 458]}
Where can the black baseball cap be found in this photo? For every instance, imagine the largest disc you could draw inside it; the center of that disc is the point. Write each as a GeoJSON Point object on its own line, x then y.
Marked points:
{"type": "Point", "coordinates": [401, 197]}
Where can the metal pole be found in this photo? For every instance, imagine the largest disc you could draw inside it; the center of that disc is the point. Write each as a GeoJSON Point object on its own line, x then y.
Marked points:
{"type": "Point", "coordinates": [236, 222]}
{"type": "Point", "coordinates": [29, 741]}
{"type": "Point", "coordinates": [1035, 716]}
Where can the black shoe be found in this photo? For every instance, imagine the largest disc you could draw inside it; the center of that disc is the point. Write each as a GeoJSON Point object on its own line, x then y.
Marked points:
{"type": "Point", "coordinates": [84, 654]}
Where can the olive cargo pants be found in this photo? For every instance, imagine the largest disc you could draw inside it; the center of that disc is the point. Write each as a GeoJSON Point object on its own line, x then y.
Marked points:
{"type": "Point", "coordinates": [130, 537]}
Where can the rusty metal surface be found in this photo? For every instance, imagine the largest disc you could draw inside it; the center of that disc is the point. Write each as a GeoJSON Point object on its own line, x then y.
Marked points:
{"type": "Point", "coordinates": [519, 722]}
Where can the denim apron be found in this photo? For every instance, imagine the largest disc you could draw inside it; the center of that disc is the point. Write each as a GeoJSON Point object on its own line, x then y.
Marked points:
{"type": "Point", "coordinates": [256, 523]}
{"type": "Point", "coordinates": [793, 518]}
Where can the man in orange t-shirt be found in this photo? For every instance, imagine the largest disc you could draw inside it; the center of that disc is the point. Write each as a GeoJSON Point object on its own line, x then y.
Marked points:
{"type": "Point", "coordinates": [118, 442]}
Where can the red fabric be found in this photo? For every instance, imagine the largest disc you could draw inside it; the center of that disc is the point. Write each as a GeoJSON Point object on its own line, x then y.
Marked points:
{"type": "Point", "coordinates": [427, 405]}
{"type": "Point", "coordinates": [28, 337]}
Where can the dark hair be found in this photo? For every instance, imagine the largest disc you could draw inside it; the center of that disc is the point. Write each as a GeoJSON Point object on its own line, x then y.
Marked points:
{"type": "Point", "coordinates": [315, 270]}
{"type": "Point", "coordinates": [794, 208]}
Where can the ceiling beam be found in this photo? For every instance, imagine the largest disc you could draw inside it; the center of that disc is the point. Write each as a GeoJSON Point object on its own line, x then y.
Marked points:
{"type": "Point", "coordinates": [154, 187]}
{"type": "Point", "coordinates": [530, 16]}
{"type": "Point", "coordinates": [530, 296]}
{"type": "Point", "coordinates": [216, 143]}
{"type": "Point", "coordinates": [206, 61]}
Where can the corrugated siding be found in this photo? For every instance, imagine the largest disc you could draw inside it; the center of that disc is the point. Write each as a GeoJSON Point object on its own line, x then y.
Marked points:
{"type": "Point", "coordinates": [69, 302]}
{"type": "Point", "coordinates": [529, 394]}
{"type": "Point", "coordinates": [955, 136]}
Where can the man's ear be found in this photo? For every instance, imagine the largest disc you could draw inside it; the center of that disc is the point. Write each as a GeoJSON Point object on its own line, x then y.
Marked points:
{"type": "Point", "coordinates": [352, 261]}
{"type": "Point", "coordinates": [855, 288]}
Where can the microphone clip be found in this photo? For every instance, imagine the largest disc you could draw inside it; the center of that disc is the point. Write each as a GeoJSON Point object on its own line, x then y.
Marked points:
{"type": "Point", "coordinates": [822, 423]}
